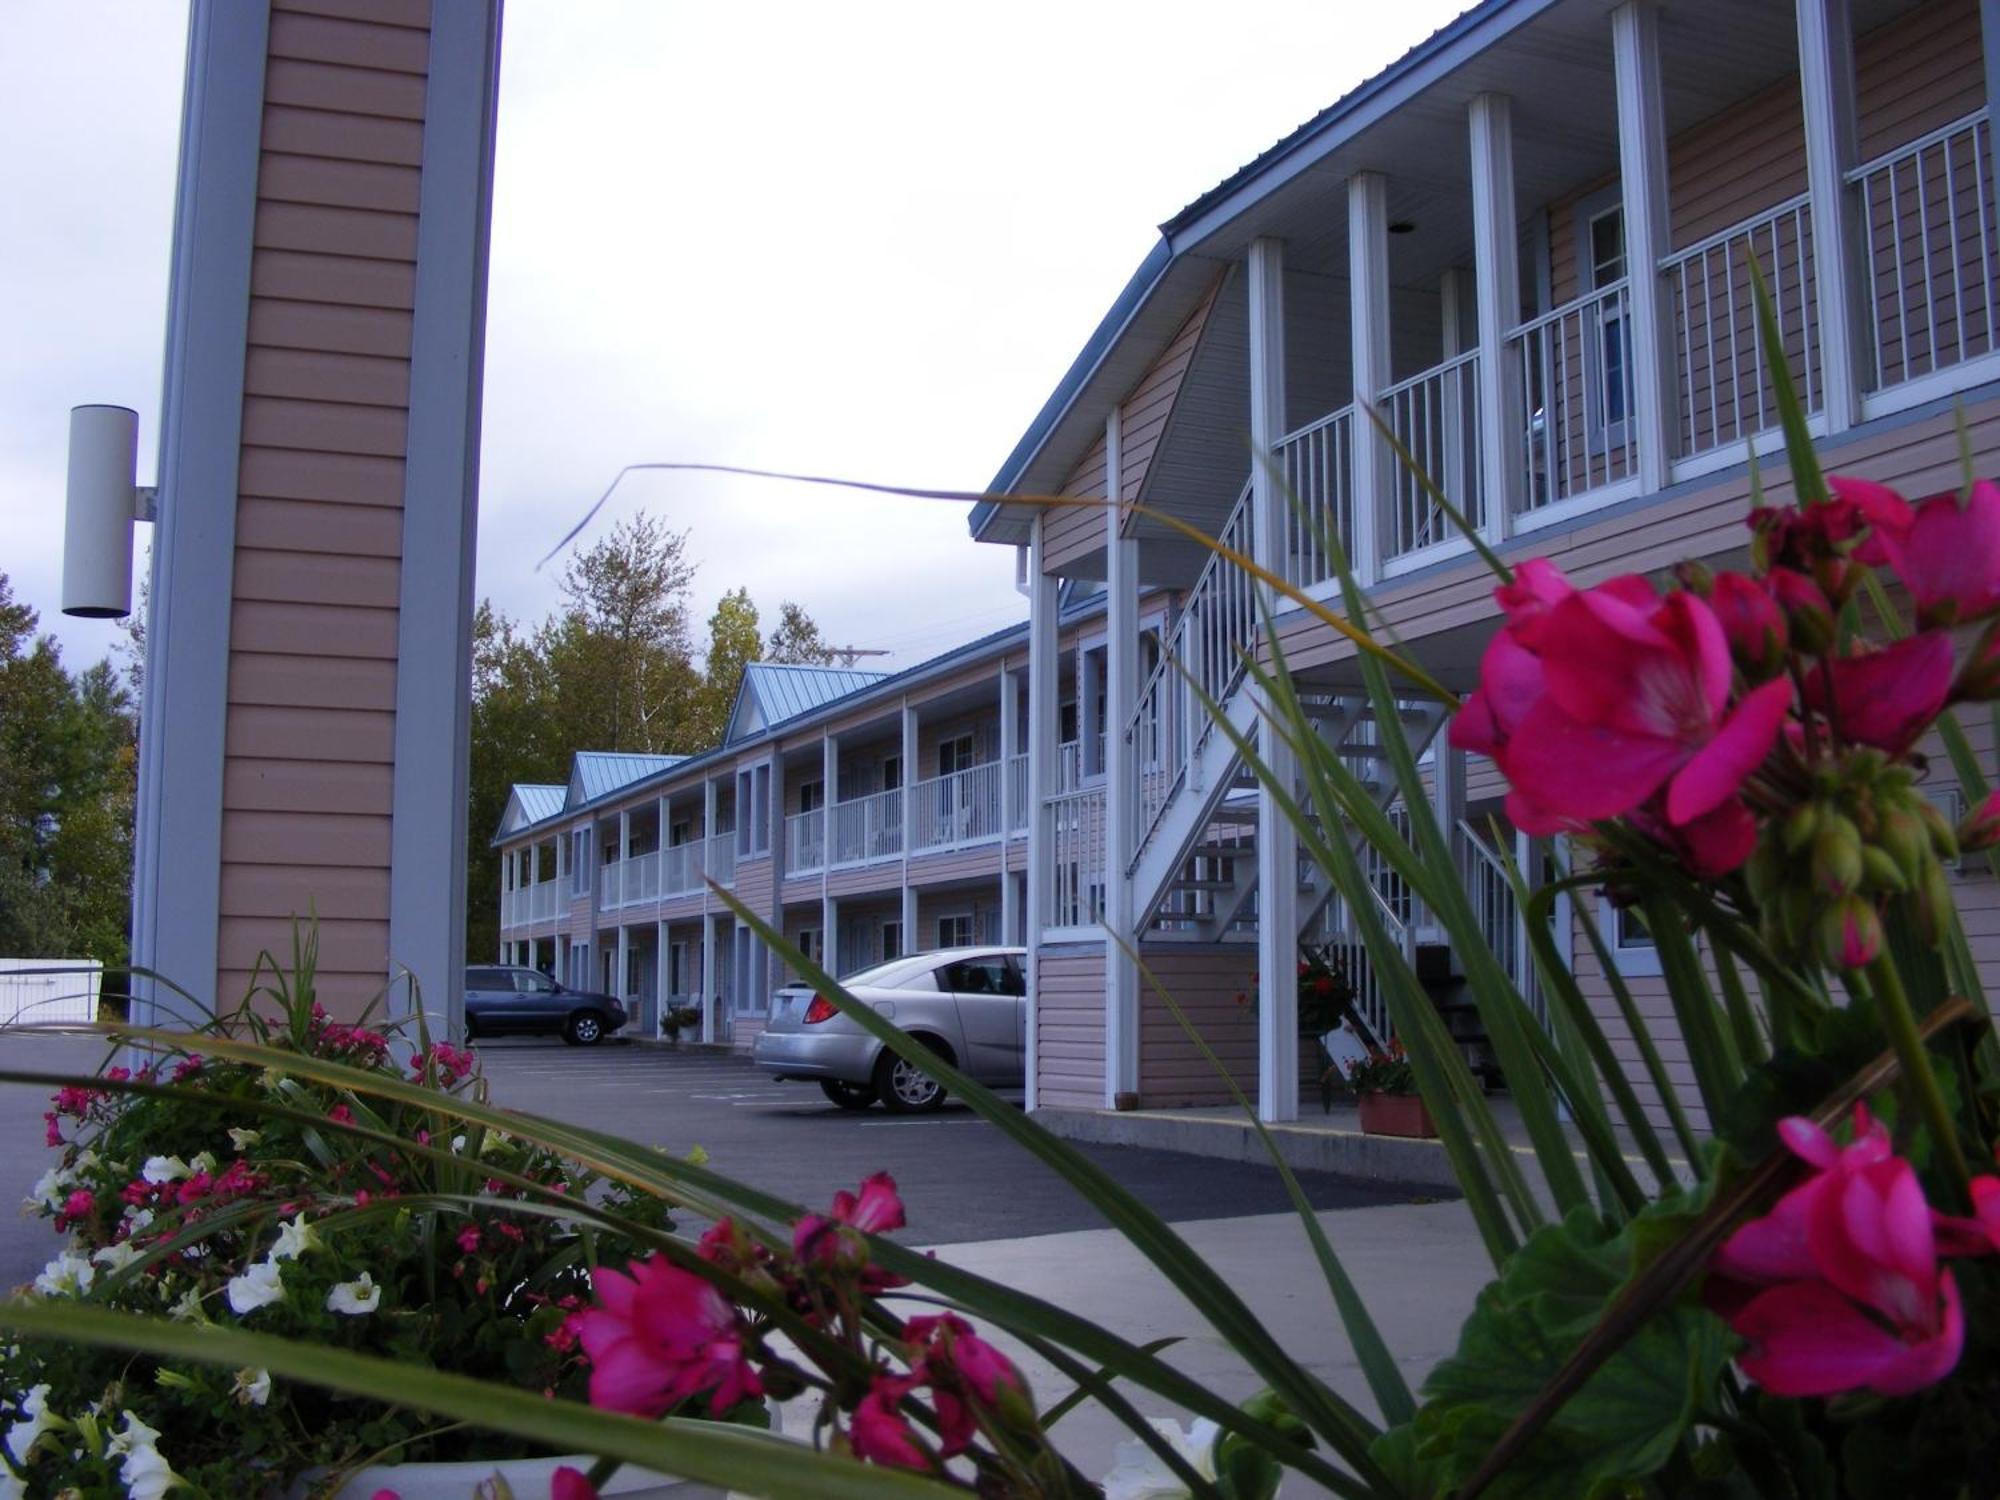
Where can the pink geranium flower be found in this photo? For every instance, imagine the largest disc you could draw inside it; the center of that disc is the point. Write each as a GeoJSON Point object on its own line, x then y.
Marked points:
{"type": "Point", "coordinates": [1751, 621]}
{"type": "Point", "coordinates": [1884, 698]}
{"type": "Point", "coordinates": [1838, 1288]}
{"type": "Point", "coordinates": [660, 1335]}
{"type": "Point", "coordinates": [876, 1210]}
{"type": "Point", "coordinates": [571, 1484]}
{"type": "Point", "coordinates": [1635, 699]}
{"type": "Point", "coordinates": [1949, 558]}
{"type": "Point", "coordinates": [880, 1432]}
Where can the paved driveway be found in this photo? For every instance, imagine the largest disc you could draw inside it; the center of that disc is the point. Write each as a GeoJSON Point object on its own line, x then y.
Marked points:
{"type": "Point", "coordinates": [961, 1178]}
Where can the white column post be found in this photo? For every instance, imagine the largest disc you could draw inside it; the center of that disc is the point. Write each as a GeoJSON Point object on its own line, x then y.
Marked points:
{"type": "Point", "coordinates": [1121, 799]}
{"type": "Point", "coordinates": [619, 987]}
{"type": "Point", "coordinates": [711, 973]}
{"type": "Point", "coordinates": [624, 857]}
{"type": "Point", "coordinates": [1368, 296]}
{"type": "Point", "coordinates": [1642, 168]}
{"type": "Point", "coordinates": [909, 753]}
{"type": "Point", "coordinates": [1008, 750]}
{"type": "Point", "coordinates": [662, 975]}
{"type": "Point", "coordinates": [1043, 671]}
{"type": "Point", "coordinates": [1277, 841]}
{"type": "Point", "coordinates": [830, 779]}
{"type": "Point", "coordinates": [1826, 89]}
{"type": "Point", "coordinates": [1455, 312]}
{"type": "Point", "coordinates": [1497, 304]}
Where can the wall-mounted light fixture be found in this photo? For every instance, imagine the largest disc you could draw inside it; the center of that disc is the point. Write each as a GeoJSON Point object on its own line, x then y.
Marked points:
{"type": "Point", "coordinates": [105, 498]}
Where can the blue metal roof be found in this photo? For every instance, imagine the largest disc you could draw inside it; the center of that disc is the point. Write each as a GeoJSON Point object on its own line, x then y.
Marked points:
{"type": "Point", "coordinates": [1348, 113]}
{"type": "Point", "coordinates": [778, 691]}
{"type": "Point", "coordinates": [539, 801]}
{"type": "Point", "coordinates": [601, 771]}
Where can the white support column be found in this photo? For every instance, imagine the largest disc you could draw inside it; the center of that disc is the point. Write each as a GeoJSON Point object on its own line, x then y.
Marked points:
{"type": "Point", "coordinates": [1368, 314]}
{"type": "Point", "coordinates": [618, 985]}
{"type": "Point", "coordinates": [830, 791]}
{"type": "Point", "coordinates": [1826, 88]}
{"type": "Point", "coordinates": [1008, 750]}
{"type": "Point", "coordinates": [1277, 841]}
{"type": "Point", "coordinates": [829, 934]}
{"type": "Point", "coordinates": [1121, 793]}
{"type": "Point", "coordinates": [1043, 672]}
{"type": "Point", "coordinates": [1497, 305]}
{"type": "Point", "coordinates": [1642, 168]}
{"type": "Point", "coordinates": [711, 970]}
{"type": "Point", "coordinates": [663, 970]}
{"type": "Point", "coordinates": [624, 857]}
{"type": "Point", "coordinates": [909, 753]}
{"type": "Point", "coordinates": [1456, 303]}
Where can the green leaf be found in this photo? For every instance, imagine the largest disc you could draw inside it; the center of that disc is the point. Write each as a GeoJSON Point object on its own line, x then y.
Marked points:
{"type": "Point", "coordinates": [1629, 1416]}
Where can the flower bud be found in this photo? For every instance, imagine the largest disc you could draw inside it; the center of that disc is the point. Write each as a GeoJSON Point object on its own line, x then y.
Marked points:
{"type": "Point", "coordinates": [1880, 873]}
{"type": "Point", "coordinates": [1932, 900]}
{"type": "Point", "coordinates": [1904, 838]}
{"type": "Point", "coordinates": [1808, 614]}
{"type": "Point", "coordinates": [1801, 823]}
{"type": "Point", "coordinates": [1850, 934]}
{"type": "Point", "coordinates": [1765, 872]}
{"type": "Point", "coordinates": [1751, 621]}
{"type": "Point", "coordinates": [1980, 828]}
{"type": "Point", "coordinates": [1944, 839]}
{"type": "Point", "coordinates": [1836, 855]}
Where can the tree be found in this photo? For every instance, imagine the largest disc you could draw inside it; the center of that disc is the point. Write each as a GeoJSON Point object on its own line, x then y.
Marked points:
{"type": "Point", "coordinates": [798, 639]}
{"type": "Point", "coordinates": [68, 774]}
{"type": "Point", "coordinates": [733, 643]}
{"type": "Point", "coordinates": [626, 634]}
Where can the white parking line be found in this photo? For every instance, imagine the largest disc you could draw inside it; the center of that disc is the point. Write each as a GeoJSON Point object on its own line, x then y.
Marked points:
{"type": "Point", "coordinates": [890, 1124]}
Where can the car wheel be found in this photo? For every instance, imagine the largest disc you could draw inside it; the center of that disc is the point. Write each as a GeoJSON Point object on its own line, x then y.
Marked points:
{"type": "Point", "coordinates": [471, 1030]}
{"type": "Point", "coordinates": [584, 1030]}
{"type": "Point", "coordinates": [905, 1088]}
{"type": "Point", "coordinates": [848, 1095]}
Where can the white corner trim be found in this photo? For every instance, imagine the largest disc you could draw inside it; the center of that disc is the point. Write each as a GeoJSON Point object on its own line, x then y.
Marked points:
{"type": "Point", "coordinates": [441, 510]}
{"type": "Point", "coordinates": [177, 858]}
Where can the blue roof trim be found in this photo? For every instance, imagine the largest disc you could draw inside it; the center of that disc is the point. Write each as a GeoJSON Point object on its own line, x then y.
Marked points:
{"type": "Point", "coordinates": [1137, 289]}
{"type": "Point", "coordinates": [1355, 102]}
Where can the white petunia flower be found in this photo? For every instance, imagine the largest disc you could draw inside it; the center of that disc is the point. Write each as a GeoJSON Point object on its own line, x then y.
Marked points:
{"type": "Point", "coordinates": [159, 1169]}
{"type": "Point", "coordinates": [188, 1309]}
{"type": "Point", "coordinates": [205, 1162]}
{"type": "Point", "coordinates": [458, 1143]}
{"type": "Point", "coordinates": [137, 1219]}
{"type": "Point", "coordinates": [68, 1275]}
{"type": "Point", "coordinates": [117, 1256]}
{"type": "Point", "coordinates": [242, 1139]}
{"type": "Point", "coordinates": [1140, 1473]}
{"type": "Point", "coordinates": [34, 1422]}
{"type": "Point", "coordinates": [146, 1473]}
{"type": "Point", "coordinates": [257, 1287]}
{"type": "Point", "coordinates": [252, 1387]}
{"type": "Point", "coordinates": [354, 1297]}
{"type": "Point", "coordinates": [48, 1190]}
{"type": "Point", "coordinates": [294, 1239]}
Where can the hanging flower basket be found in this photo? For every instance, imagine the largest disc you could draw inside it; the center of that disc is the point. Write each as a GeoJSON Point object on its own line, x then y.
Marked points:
{"type": "Point", "coordinates": [1396, 1114]}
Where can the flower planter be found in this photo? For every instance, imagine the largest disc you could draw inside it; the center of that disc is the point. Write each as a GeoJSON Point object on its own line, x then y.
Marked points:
{"type": "Point", "coordinates": [1396, 1114]}
{"type": "Point", "coordinates": [528, 1478]}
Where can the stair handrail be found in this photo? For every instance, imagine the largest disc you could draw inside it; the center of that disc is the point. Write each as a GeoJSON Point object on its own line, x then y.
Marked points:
{"type": "Point", "coordinates": [1173, 649]}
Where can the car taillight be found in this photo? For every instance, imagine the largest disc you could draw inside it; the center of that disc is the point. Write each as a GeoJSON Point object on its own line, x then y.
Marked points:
{"type": "Point", "coordinates": [822, 1009]}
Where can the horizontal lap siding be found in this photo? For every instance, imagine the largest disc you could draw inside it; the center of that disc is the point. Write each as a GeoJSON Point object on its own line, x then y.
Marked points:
{"type": "Point", "coordinates": [1216, 990]}
{"type": "Point", "coordinates": [1069, 1029]}
{"type": "Point", "coordinates": [1071, 533]}
{"type": "Point", "coordinates": [981, 903]}
{"type": "Point", "coordinates": [956, 864]}
{"type": "Point", "coordinates": [310, 737]}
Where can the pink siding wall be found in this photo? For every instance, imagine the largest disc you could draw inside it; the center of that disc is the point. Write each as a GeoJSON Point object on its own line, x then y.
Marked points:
{"type": "Point", "coordinates": [1216, 989]}
{"type": "Point", "coordinates": [1069, 1029]}
{"type": "Point", "coordinates": [311, 723]}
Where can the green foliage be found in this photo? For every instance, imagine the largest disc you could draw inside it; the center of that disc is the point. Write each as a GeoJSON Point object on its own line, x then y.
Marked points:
{"type": "Point", "coordinates": [68, 778]}
{"type": "Point", "coordinates": [1626, 1422]}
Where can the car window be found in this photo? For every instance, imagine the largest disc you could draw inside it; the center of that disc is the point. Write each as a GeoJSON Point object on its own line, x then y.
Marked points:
{"type": "Point", "coordinates": [530, 983]}
{"type": "Point", "coordinates": [977, 976]}
{"type": "Point", "coordinates": [479, 979]}
{"type": "Point", "coordinates": [894, 974]}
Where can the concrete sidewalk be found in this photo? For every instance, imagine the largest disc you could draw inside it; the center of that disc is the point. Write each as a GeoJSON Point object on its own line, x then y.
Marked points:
{"type": "Point", "coordinates": [1418, 1267]}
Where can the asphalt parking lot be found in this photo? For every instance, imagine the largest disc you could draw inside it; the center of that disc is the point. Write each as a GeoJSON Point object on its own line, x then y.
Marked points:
{"type": "Point", "coordinates": [961, 1179]}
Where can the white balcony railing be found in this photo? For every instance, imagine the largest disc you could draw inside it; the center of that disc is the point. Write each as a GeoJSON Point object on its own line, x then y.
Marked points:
{"type": "Point", "coordinates": [961, 808]}
{"type": "Point", "coordinates": [1435, 416]}
{"type": "Point", "coordinates": [1575, 367]}
{"type": "Point", "coordinates": [1317, 463]}
{"type": "Point", "coordinates": [642, 878]}
{"type": "Point", "coordinates": [1726, 390]}
{"type": "Point", "coordinates": [528, 904]}
{"type": "Point", "coordinates": [866, 829]}
{"type": "Point", "coordinates": [610, 885]}
{"type": "Point", "coordinates": [805, 842]}
{"type": "Point", "coordinates": [1931, 246]}
{"type": "Point", "coordinates": [1017, 794]}
{"type": "Point", "coordinates": [681, 868]}
{"type": "Point", "coordinates": [1076, 854]}
{"type": "Point", "coordinates": [720, 859]}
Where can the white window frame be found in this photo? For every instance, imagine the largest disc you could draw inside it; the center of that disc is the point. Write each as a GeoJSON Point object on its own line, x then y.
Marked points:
{"type": "Point", "coordinates": [971, 930]}
{"type": "Point", "coordinates": [753, 811]}
{"type": "Point", "coordinates": [580, 861]}
{"type": "Point", "coordinates": [579, 964]}
{"type": "Point", "coordinates": [1602, 435]}
{"type": "Point", "coordinates": [1636, 957]}
{"type": "Point", "coordinates": [891, 944]}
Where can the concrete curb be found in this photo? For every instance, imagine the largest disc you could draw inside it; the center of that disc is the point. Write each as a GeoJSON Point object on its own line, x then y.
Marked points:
{"type": "Point", "coordinates": [1376, 1158]}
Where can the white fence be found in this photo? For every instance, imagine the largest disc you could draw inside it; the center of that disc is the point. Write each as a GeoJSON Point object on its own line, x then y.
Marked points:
{"type": "Point", "coordinates": [30, 998]}
{"type": "Point", "coordinates": [868, 828]}
{"type": "Point", "coordinates": [962, 808]}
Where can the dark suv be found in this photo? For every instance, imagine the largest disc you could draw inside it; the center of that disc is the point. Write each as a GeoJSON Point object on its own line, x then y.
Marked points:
{"type": "Point", "coordinates": [500, 999]}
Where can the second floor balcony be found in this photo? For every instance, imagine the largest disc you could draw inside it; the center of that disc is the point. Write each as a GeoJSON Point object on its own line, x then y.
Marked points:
{"type": "Point", "coordinates": [980, 804]}
{"type": "Point", "coordinates": [668, 874]}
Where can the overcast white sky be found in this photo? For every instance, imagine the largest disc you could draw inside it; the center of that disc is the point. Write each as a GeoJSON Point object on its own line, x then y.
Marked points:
{"type": "Point", "coordinates": [859, 239]}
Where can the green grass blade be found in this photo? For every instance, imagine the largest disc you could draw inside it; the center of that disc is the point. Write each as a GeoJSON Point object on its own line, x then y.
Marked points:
{"type": "Point", "coordinates": [1371, 1350]}
{"type": "Point", "coordinates": [1103, 1376]}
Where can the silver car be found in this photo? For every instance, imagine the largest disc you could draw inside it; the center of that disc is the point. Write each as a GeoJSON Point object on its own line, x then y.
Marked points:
{"type": "Point", "coordinates": [970, 1005]}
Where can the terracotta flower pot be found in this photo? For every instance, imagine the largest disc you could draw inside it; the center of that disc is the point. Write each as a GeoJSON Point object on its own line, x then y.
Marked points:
{"type": "Point", "coordinates": [1396, 1114]}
